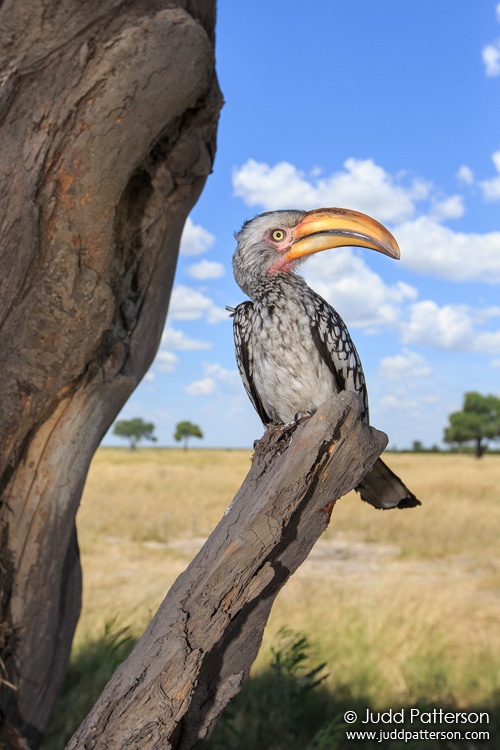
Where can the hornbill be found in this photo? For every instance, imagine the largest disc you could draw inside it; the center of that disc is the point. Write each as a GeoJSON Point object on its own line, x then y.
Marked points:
{"type": "Point", "coordinates": [293, 349]}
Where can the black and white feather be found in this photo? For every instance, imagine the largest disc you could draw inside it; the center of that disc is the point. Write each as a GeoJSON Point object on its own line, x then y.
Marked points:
{"type": "Point", "coordinates": [293, 349]}
{"type": "Point", "coordinates": [282, 381]}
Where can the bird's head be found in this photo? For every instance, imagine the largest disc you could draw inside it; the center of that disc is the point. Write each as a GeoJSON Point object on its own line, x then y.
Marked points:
{"type": "Point", "coordinates": [277, 241]}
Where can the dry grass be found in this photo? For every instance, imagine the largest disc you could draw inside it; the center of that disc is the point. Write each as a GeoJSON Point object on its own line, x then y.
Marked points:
{"type": "Point", "coordinates": [136, 508]}
{"type": "Point", "coordinates": [403, 605]}
{"type": "Point", "coordinates": [460, 513]}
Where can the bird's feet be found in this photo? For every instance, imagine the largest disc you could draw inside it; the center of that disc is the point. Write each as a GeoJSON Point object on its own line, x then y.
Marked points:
{"type": "Point", "coordinates": [300, 416]}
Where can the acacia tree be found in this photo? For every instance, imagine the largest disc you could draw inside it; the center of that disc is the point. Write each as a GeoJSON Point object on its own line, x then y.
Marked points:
{"type": "Point", "coordinates": [134, 430]}
{"type": "Point", "coordinates": [477, 423]}
{"type": "Point", "coordinates": [108, 114]}
{"type": "Point", "coordinates": [186, 430]}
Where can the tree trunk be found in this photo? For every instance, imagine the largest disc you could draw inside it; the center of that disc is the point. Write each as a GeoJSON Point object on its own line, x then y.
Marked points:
{"type": "Point", "coordinates": [107, 133]}
{"type": "Point", "coordinates": [202, 641]}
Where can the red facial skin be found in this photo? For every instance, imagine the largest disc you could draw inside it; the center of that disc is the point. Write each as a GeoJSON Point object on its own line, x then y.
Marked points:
{"type": "Point", "coordinates": [281, 247]}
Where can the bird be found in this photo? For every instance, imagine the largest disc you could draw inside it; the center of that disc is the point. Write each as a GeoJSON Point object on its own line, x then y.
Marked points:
{"type": "Point", "coordinates": [293, 349]}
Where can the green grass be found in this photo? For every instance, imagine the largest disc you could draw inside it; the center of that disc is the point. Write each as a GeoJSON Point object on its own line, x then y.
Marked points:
{"type": "Point", "coordinates": [286, 706]}
{"type": "Point", "coordinates": [92, 664]}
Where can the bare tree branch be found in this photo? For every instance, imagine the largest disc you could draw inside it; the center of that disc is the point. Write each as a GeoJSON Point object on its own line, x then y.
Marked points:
{"type": "Point", "coordinates": [205, 636]}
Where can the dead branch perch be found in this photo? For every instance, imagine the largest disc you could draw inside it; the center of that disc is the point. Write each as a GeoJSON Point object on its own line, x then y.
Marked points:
{"type": "Point", "coordinates": [205, 636]}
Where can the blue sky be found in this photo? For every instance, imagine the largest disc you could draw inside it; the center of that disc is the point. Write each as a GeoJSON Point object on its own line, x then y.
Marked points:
{"type": "Point", "coordinates": [391, 108]}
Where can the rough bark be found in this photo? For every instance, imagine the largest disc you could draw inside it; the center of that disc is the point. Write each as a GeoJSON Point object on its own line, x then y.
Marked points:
{"type": "Point", "coordinates": [108, 115]}
{"type": "Point", "coordinates": [201, 643]}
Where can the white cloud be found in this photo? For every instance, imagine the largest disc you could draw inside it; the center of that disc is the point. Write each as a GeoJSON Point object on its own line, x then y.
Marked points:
{"type": "Point", "coordinates": [407, 413]}
{"type": "Point", "coordinates": [451, 328]}
{"type": "Point", "coordinates": [400, 400]}
{"type": "Point", "coordinates": [362, 185]}
{"type": "Point", "coordinates": [488, 342]}
{"type": "Point", "coordinates": [491, 53]}
{"type": "Point", "coordinates": [448, 327]}
{"type": "Point", "coordinates": [206, 269]}
{"type": "Point", "coordinates": [496, 160]}
{"type": "Point", "coordinates": [172, 338]}
{"type": "Point", "coordinates": [451, 207]}
{"type": "Point", "coordinates": [359, 294]}
{"type": "Point", "coordinates": [203, 387]}
{"type": "Point", "coordinates": [195, 239]}
{"type": "Point", "coordinates": [166, 361]}
{"type": "Point", "coordinates": [188, 304]}
{"type": "Point", "coordinates": [491, 58]}
{"type": "Point", "coordinates": [408, 365]}
{"type": "Point", "coordinates": [465, 174]}
{"type": "Point", "coordinates": [221, 374]}
{"type": "Point", "coordinates": [486, 313]}
{"type": "Point", "coordinates": [491, 187]}
{"type": "Point", "coordinates": [218, 380]}
{"type": "Point", "coordinates": [429, 247]}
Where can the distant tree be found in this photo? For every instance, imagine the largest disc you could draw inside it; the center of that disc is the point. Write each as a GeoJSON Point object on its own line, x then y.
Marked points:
{"type": "Point", "coordinates": [478, 422]}
{"type": "Point", "coordinates": [186, 430]}
{"type": "Point", "coordinates": [134, 430]}
{"type": "Point", "coordinates": [417, 446]}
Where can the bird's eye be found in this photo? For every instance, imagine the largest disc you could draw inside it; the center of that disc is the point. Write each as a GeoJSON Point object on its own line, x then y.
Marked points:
{"type": "Point", "coordinates": [278, 235]}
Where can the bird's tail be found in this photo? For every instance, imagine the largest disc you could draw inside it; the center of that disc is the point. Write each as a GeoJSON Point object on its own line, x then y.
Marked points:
{"type": "Point", "coordinates": [382, 488]}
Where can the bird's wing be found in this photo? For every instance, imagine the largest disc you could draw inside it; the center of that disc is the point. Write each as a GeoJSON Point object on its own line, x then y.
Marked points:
{"type": "Point", "coordinates": [242, 329]}
{"type": "Point", "coordinates": [380, 487]}
{"type": "Point", "coordinates": [337, 350]}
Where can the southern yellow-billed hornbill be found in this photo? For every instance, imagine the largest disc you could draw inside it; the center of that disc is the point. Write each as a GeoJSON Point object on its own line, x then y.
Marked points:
{"type": "Point", "coordinates": [293, 349]}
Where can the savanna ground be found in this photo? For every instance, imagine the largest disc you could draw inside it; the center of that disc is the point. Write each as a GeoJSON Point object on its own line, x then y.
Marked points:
{"type": "Point", "coordinates": [392, 609]}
